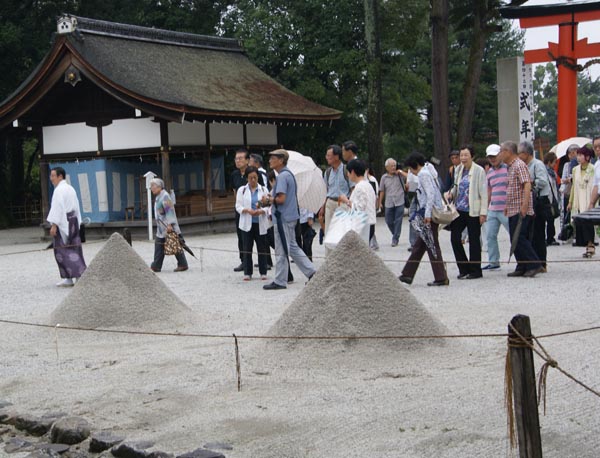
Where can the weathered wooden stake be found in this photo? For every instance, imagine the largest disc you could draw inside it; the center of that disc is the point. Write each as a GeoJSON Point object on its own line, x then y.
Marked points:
{"type": "Point", "coordinates": [524, 390]}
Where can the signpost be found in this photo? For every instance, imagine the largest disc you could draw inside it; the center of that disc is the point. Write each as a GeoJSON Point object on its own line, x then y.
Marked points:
{"type": "Point", "coordinates": [149, 176]}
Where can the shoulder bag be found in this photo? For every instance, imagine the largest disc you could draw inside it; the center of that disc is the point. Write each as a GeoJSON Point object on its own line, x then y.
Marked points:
{"type": "Point", "coordinates": [446, 214]}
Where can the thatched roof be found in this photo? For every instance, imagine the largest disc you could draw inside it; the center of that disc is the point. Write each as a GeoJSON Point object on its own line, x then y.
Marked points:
{"type": "Point", "coordinates": [165, 73]}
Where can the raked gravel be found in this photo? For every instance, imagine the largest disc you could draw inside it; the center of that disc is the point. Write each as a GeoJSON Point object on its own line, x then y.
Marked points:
{"type": "Point", "coordinates": [181, 392]}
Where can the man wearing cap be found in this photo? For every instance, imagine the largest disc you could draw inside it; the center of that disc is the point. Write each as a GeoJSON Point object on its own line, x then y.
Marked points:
{"type": "Point", "coordinates": [285, 218]}
{"type": "Point", "coordinates": [540, 188]}
{"type": "Point", "coordinates": [497, 179]}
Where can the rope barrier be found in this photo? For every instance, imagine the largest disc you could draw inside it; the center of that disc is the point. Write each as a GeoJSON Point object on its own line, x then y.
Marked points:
{"type": "Point", "coordinates": [248, 336]}
{"type": "Point", "coordinates": [263, 337]}
{"type": "Point", "coordinates": [549, 362]}
{"type": "Point", "coordinates": [392, 261]}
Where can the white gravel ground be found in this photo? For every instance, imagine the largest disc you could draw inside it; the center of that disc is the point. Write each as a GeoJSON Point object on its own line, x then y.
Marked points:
{"type": "Point", "coordinates": [181, 392]}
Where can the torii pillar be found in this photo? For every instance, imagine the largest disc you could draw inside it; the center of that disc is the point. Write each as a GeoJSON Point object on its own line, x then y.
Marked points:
{"type": "Point", "coordinates": [565, 54]}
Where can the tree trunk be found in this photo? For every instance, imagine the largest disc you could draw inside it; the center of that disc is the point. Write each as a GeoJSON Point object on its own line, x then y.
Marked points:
{"type": "Point", "coordinates": [374, 102]}
{"type": "Point", "coordinates": [439, 81]}
{"type": "Point", "coordinates": [466, 112]}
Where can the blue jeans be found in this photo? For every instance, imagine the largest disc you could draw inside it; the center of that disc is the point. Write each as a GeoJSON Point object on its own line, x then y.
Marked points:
{"type": "Point", "coordinates": [393, 219]}
{"type": "Point", "coordinates": [494, 220]}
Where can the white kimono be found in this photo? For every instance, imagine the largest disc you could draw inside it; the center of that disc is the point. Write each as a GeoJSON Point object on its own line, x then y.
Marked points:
{"type": "Point", "coordinates": [64, 200]}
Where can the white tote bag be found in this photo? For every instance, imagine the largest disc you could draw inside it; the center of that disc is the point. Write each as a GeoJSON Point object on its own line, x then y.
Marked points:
{"type": "Point", "coordinates": [344, 221]}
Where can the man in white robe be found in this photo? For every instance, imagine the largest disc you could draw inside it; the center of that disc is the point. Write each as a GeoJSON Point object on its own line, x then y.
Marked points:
{"type": "Point", "coordinates": [65, 218]}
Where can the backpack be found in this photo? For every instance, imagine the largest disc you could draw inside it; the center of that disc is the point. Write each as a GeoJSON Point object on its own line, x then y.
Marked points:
{"type": "Point", "coordinates": [328, 174]}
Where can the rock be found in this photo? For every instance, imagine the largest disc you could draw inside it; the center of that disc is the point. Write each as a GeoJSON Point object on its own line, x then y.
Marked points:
{"type": "Point", "coordinates": [76, 454]}
{"type": "Point", "coordinates": [58, 448]}
{"type": "Point", "coordinates": [36, 426]}
{"type": "Point", "coordinates": [218, 445]}
{"type": "Point", "coordinates": [43, 454]}
{"type": "Point", "coordinates": [202, 453]}
{"type": "Point", "coordinates": [132, 449]}
{"type": "Point", "coordinates": [159, 454]}
{"type": "Point", "coordinates": [18, 444]}
{"type": "Point", "coordinates": [70, 430]}
{"type": "Point", "coordinates": [7, 417]}
{"type": "Point", "coordinates": [101, 441]}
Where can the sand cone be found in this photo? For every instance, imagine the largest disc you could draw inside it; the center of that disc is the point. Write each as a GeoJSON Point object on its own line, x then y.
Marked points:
{"type": "Point", "coordinates": [355, 294]}
{"type": "Point", "coordinates": [118, 289]}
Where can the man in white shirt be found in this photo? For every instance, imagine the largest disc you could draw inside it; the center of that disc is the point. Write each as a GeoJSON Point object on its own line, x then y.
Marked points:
{"type": "Point", "coordinates": [65, 218]}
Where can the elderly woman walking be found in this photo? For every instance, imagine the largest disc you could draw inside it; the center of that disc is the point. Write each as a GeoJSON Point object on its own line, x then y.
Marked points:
{"type": "Point", "coordinates": [427, 197]}
{"type": "Point", "coordinates": [166, 222]}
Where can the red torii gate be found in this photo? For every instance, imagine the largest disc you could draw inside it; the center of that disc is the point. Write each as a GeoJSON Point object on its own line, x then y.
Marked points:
{"type": "Point", "coordinates": [566, 16]}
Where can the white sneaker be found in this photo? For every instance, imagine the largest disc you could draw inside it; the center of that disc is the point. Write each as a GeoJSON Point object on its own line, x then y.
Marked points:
{"type": "Point", "coordinates": [66, 282]}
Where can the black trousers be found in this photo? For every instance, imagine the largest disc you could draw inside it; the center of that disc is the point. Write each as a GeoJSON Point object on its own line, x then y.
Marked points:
{"type": "Point", "coordinates": [304, 238]}
{"type": "Point", "coordinates": [159, 254]}
{"type": "Point", "coordinates": [239, 236]}
{"type": "Point", "coordinates": [537, 231]}
{"type": "Point", "coordinates": [249, 238]}
{"type": "Point", "coordinates": [472, 265]}
{"type": "Point", "coordinates": [524, 253]}
{"type": "Point", "coordinates": [584, 233]}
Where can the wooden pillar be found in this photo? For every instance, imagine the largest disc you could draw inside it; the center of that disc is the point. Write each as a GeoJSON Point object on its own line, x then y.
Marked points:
{"type": "Point", "coordinates": [44, 179]}
{"type": "Point", "coordinates": [208, 182]}
{"type": "Point", "coordinates": [524, 391]}
{"type": "Point", "coordinates": [567, 83]}
{"type": "Point", "coordinates": [207, 166]}
{"type": "Point", "coordinates": [164, 155]}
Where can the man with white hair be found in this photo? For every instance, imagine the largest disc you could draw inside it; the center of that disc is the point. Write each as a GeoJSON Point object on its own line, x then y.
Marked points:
{"type": "Point", "coordinates": [391, 192]}
{"type": "Point", "coordinates": [166, 221]}
{"type": "Point", "coordinates": [540, 188]}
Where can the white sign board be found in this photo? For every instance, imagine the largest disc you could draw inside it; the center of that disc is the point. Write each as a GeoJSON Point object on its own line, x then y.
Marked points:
{"type": "Point", "coordinates": [515, 100]}
{"type": "Point", "coordinates": [525, 79]}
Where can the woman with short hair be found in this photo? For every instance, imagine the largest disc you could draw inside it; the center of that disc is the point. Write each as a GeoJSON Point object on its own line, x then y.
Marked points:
{"type": "Point", "coordinates": [166, 222]}
{"type": "Point", "coordinates": [253, 224]}
{"type": "Point", "coordinates": [427, 196]}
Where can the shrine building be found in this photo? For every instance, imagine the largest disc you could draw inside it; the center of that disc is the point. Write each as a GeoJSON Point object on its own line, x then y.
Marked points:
{"type": "Point", "coordinates": [110, 102]}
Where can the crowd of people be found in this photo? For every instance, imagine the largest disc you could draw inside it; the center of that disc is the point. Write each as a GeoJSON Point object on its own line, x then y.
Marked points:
{"type": "Point", "coordinates": [508, 188]}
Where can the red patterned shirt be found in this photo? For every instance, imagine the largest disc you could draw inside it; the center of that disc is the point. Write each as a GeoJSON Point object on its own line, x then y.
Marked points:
{"type": "Point", "coordinates": [518, 175]}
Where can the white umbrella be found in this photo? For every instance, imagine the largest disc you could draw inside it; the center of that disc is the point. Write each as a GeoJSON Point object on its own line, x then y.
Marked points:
{"type": "Point", "coordinates": [311, 185]}
{"type": "Point", "coordinates": [560, 149]}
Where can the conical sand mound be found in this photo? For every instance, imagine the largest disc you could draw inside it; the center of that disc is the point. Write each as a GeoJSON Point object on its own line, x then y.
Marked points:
{"type": "Point", "coordinates": [355, 294]}
{"type": "Point", "coordinates": [119, 290]}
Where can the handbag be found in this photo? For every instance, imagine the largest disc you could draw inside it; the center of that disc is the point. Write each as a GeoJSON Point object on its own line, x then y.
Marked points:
{"type": "Point", "coordinates": [444, 215]}
{"type": "Point", "coordinates": [172, 244]}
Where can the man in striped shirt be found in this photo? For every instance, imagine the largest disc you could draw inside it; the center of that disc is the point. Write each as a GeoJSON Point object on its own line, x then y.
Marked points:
{"type": "Point", "coordinates": [519, 204]}
{"type": "Point", "coordinates": [497, 178]}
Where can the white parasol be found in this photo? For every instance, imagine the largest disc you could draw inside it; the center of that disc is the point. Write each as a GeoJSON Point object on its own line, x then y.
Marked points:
{"type": "Point", "coordinates": [311, 185]}
{"type": "Point", "coordinates": [560, 149]}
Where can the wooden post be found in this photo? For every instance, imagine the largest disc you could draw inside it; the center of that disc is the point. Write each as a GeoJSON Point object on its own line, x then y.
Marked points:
{"type": "Point", "coordinates": [524, 391]}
